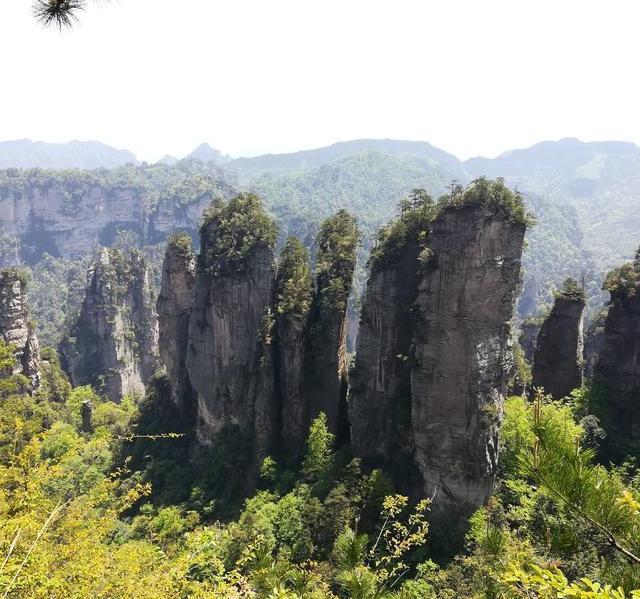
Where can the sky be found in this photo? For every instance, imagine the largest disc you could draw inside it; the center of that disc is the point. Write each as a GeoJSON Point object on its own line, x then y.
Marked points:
{"type": "Point", "coordinates": [474, 77]}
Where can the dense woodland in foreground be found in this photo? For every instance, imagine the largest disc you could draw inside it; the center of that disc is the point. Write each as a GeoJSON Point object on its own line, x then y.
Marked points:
{"type": "Point", "coordinates": [121, 498]}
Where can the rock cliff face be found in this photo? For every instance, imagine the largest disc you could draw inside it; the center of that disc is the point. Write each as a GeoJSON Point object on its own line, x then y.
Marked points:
{"type": "Point", "coordinates": [325, 364]}
{"type": "Point", "coordinates": [380, 385]}
{"type": "Point", "coordinates": [174, 310]}
{"type": "Point", "coordinates": [593, 338]}
{"type": "Point", "coordinates": [69, 214]}
{"type": "Point", "coordinates": [114, 343]}
{"type": "Point", "coordinates": [229, 329]}
{"type": "Point", "coordinates": [529, 330]}
{"type": "Point", "coordinates": [14, 324]}
{"type": "Point", "coordinates": [466, 299]}
{"type": "Point", "coordinates": [558, 361]}
{"type": "Point", "coordinates": [617, 372]}
{"type": "Point", "coordinates": [294, 295]}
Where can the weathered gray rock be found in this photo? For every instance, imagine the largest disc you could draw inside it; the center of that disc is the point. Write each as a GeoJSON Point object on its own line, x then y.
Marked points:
{"type": "Point", "coordinates": [293, 297]}
{"type": "Point", "coordinates": [593, 339]}
{"type": "Point", "coordinates": [174, 309]}
{"type": "Point", "coordinates": [114, 343]}
{"type": "Point", "coordinates": [225, 346]}
{"type": "Point", "coordinates": [558, 361]}
{"type": "Point", "coordinates": [380, 382]}
{"type": "Point", "coordinates": [529, 329]}
{"type": "Point", "coordinates": [86, 413]}
{"type": "Point", "coordinates": [70, 215]}
{"type": "Point", "coordinates": [325, 364]}
{"type": "Point", "coordinates": [15, 327]}
{"type": "Point", "coordinates": [617, 372]}
{"type": "Point", "coordinates": [462, 356]}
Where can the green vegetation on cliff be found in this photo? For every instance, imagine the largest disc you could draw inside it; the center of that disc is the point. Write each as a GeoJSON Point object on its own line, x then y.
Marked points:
{"type": "Point", "coordinates": [232, 230]}
{"type": "Point", "coordinates": [337, 241]}
{"type": "Point", "coordinates": [625, 280]}
{"type": "Point", "coordinates": [294, 283]}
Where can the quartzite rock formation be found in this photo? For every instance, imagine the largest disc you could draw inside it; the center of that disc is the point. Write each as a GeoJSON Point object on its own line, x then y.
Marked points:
{"type": "Point", "coordinates": [232, 296]}
{"type": "Point", "coordinates": [14, 324]}
{"type": "Point", "coordinates": [174, 310]}
{"type": "Point", "coordinates": [325, 365]}
{"type": "Point", "coordinates": [617, 372]}
{"type": "Point", "coordinates": [558, 360]}
{"type": "Point", "coordinates": [465, 303]}
{"type": "Point", "coordinates": [114, 343]}
{"type": "Point", "coordinates": [434, 345]}
{"type": "Point", "coordinates": [380, 385]}
{"type": "Point", "coordinates": [294, 294]}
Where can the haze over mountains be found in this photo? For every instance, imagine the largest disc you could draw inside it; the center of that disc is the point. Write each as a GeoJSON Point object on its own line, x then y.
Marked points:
{"type": "Point", "coordinates": [585, 196]}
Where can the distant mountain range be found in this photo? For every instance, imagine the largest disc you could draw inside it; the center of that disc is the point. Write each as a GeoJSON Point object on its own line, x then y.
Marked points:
{"type": "Point", "coordinates": [23, 153]}
{"type": "Point", "coordinates": [586, 195]}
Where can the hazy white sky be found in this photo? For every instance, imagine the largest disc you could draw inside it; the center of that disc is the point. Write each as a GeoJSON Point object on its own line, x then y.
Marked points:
{"type": "Point", "coordinates": [253, 76]}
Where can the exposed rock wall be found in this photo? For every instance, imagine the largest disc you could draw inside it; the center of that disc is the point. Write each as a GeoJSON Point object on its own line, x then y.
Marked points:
{"type": "Point", "coordinates": [558, 361]}
{"type": "Point", "coordinates": [71, 214]}
{"type": "Point", "coordinates": [380, 385]}
{"type": "Point", "coordinates": [325, 364]}
{"type": "Point", "coordinates": [617, 372]}
{"type": "Point", "coordinates": [224, 362]}
{"type": "Point", "coordinates": [465, 303]}
{"type": "Point", "coordinates": [293, 297]}
{"type": "Point", "coordinates": [114, 343]}
{"type": "Point", "coordinates": [14, 324]}
{"type": "Point", "coordinates": [529, 330]}
{"type": "Point", "coordinates": [174, 310]}
{"type": "Point", "coordinates": [593, 339]}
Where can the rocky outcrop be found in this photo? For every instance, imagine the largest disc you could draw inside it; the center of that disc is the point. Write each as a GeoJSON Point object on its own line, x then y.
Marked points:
{"type": "Point", "coordinates": [558, 361]}
{"type": "Point", "coordinates": [380, 385]}
{"type": "Point", "coordinates": [529, 329]}
{"type": "Point", "coordinates": [71, 213]}
{"type": "Point", "coordinates": [15, 328]}
{"type": "Point", "coordinates": [174, 310]}
{"type": "Point", "coordinates": [593, 339]}
{"type": "Point", "coordinates": [229, 329]}
{"type": "Point", "coordinates": [293, 298]}
{"type": "Point", "coordinates": [325, 364]}
{"type": "Point", "coordinates": [617, 373]}
{"type": "Point", "coordinates": [114, 343]}
{"type": "Point", "coordinates": [465, 303]}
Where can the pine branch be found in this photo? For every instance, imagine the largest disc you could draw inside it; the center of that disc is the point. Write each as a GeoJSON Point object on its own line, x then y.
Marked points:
{"type": "Point", "coordinates": [58, 13]}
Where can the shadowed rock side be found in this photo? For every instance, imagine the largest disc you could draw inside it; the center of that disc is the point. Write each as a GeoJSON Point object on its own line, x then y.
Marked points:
{"type": "Point", "coordinates": [462, 356]}
{"type": "Point", "coordinates": [114, 343]}
{"type": "Point", "coordinates": [380, 394]}
{"type": "Point", "coordinates": [617, 373]}
{"type": "Point", "coordinates": [15, 328]}
{"type": "Point", "coordinates": [174, 309]}
{"type": "Point", "coordinates": [558, 359]}
{"type": "Point", "coordinates": [294, 294]}
{"type": "Point", "coordinates": [325, 364]}
{"type": "Point", "coordinates": [593, 338]}
{"type": "Point", "coordinates": [529, 330]}
{"type": "Point", "coordinates": [226, 359]}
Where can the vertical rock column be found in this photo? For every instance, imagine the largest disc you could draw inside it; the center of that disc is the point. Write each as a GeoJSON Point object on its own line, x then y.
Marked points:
{"type": "Point", "coordinates": [380, 385]}
{"type": "Point", "coordinates": [617, 371]}
{"type": "Point", "coordinates": [114, 343]}
{"type": "Point", "coordinates": [15, 328]}
{"type": "Point", "coordinates": [558, 360]}
{"type": "Point", "coordinates": [174, 310]}
{"type": "Point", "coordinates": [293, 297]}
{"type": "Point", "coordinates": [465, 303]}
{"type": "Point", "coordinates": [228, 358]}
{"type": "Point", "coordinates": [325, 371]}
